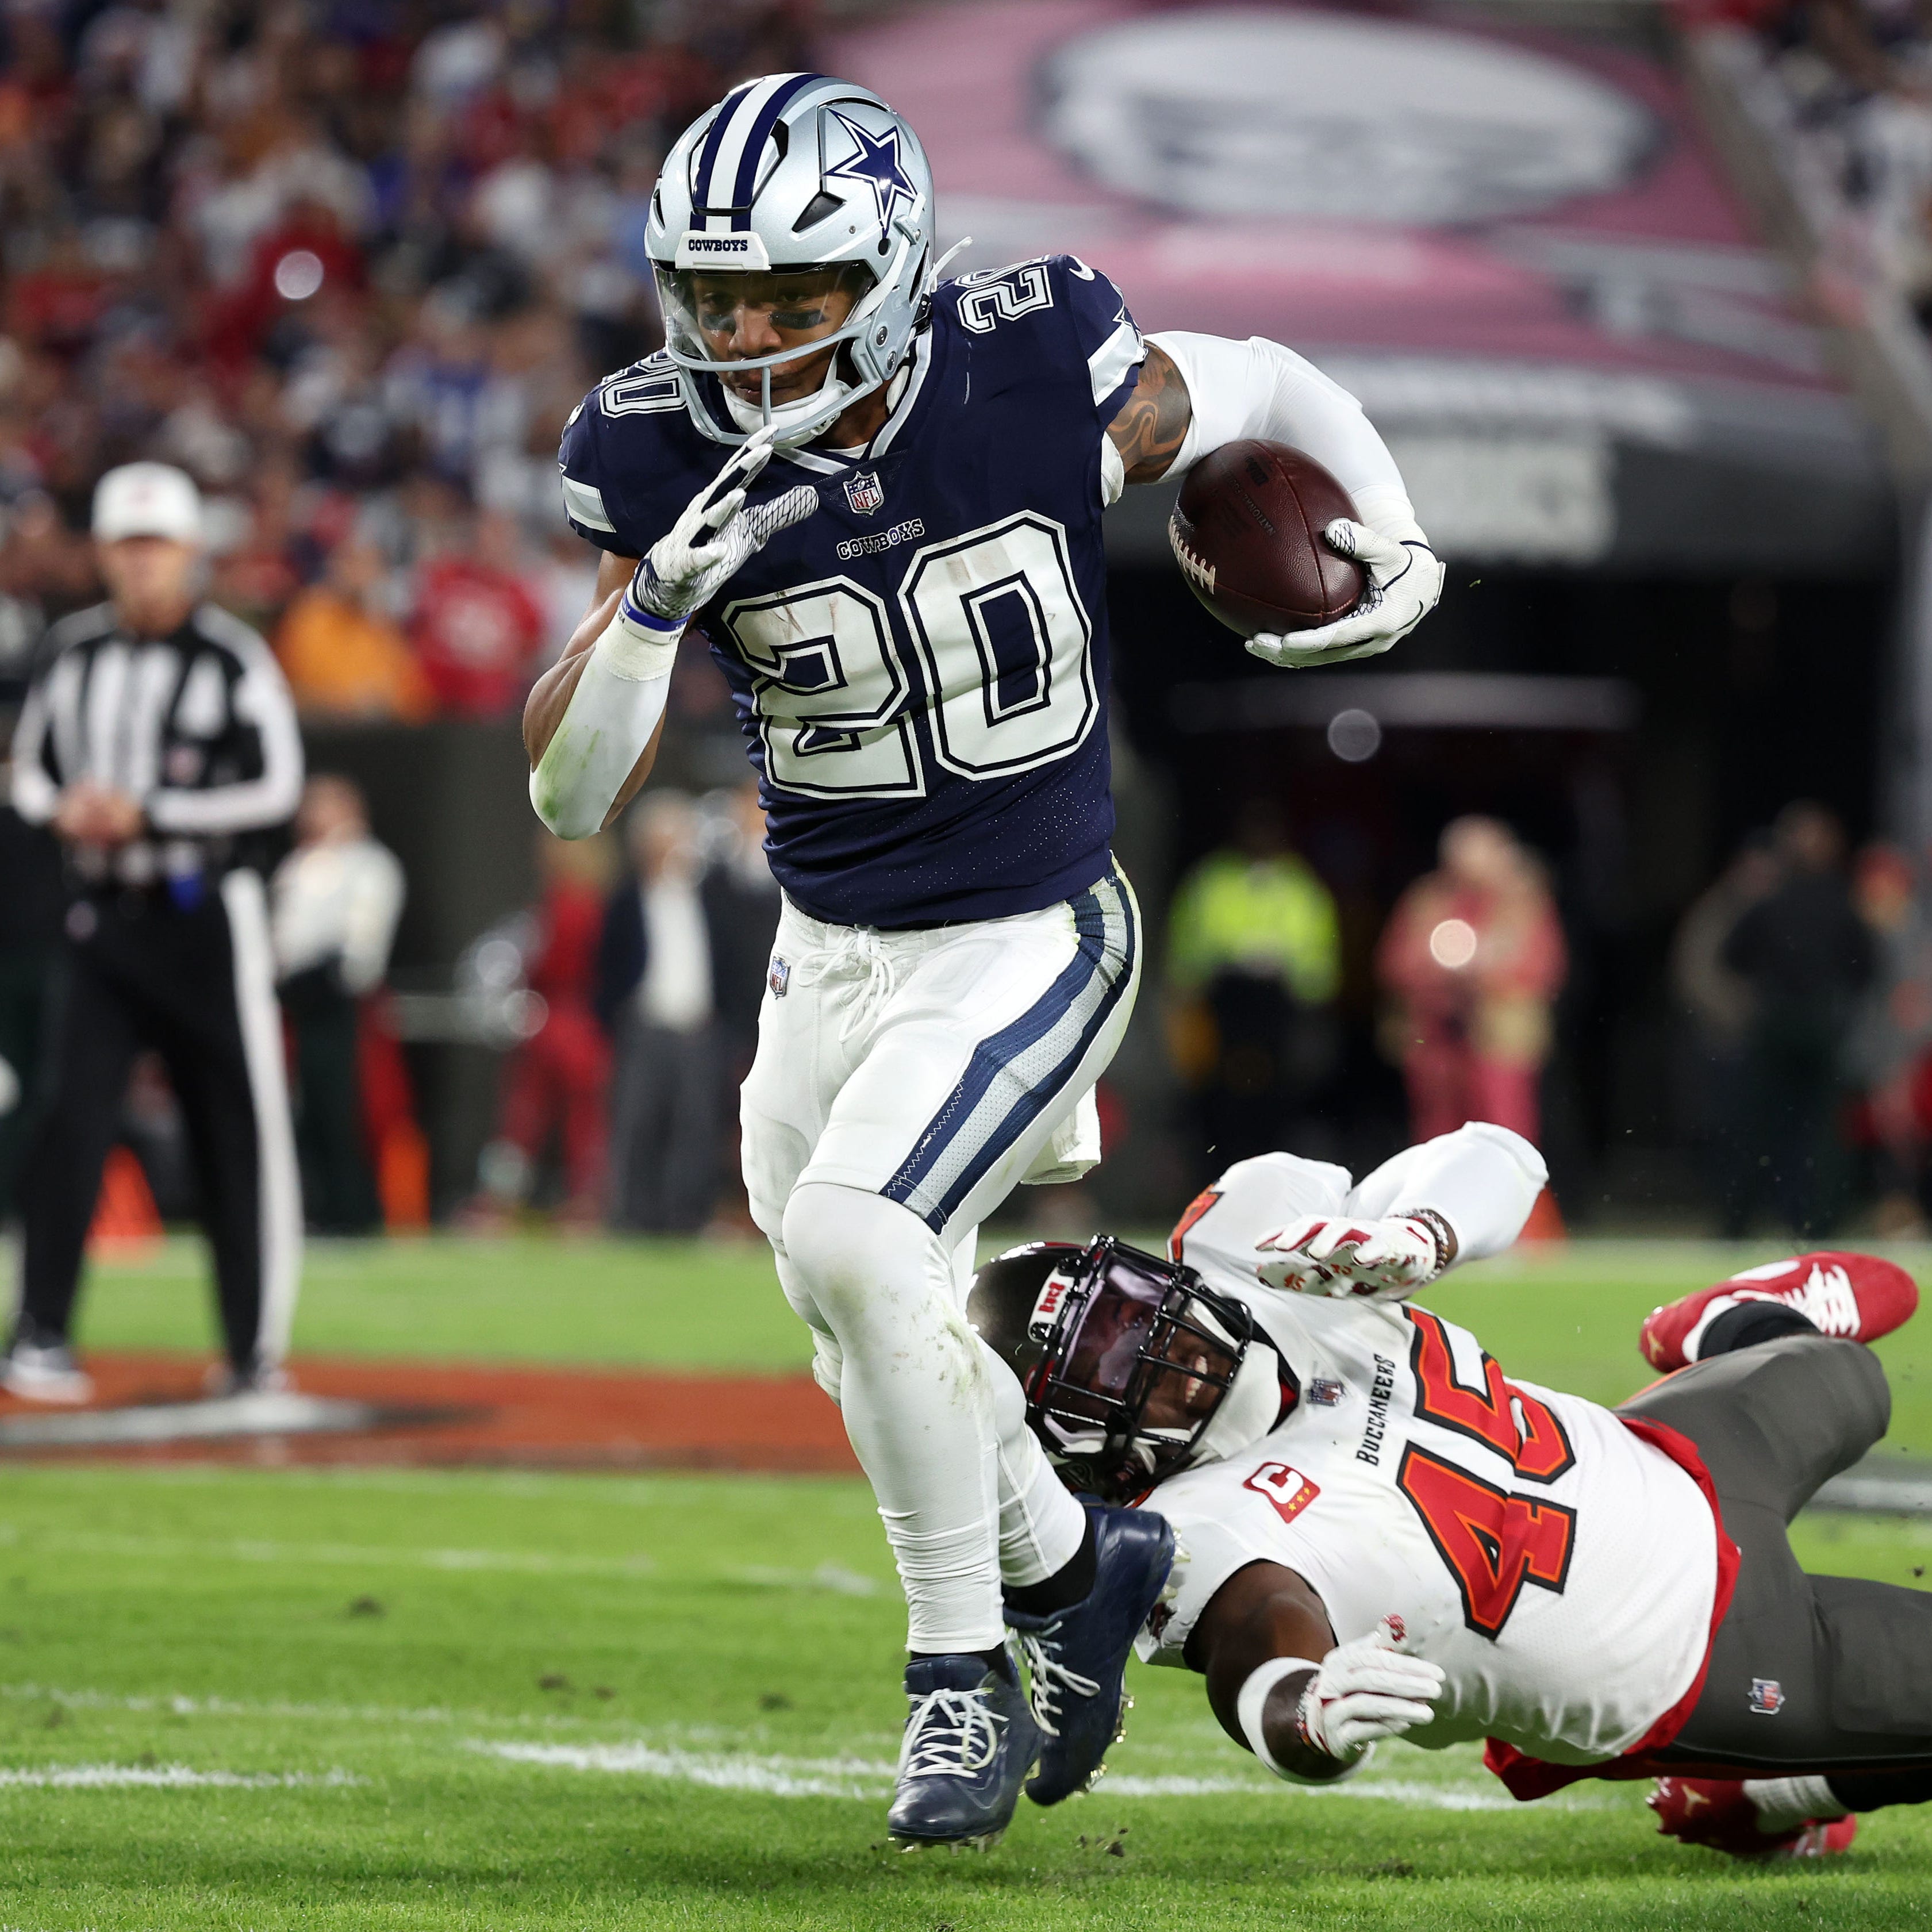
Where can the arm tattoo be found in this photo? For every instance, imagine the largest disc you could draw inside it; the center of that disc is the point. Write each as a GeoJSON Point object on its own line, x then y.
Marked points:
{"type": "Point", "coordinates": [1153, 421]}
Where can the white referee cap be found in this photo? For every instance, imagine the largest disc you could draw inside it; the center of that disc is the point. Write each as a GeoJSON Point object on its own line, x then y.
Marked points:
{"type": "Point", "coordinates": [147, 500]}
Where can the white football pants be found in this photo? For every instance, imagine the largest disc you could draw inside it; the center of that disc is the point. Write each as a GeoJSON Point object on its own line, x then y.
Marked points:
{"type": "Point", "coordinates": [905, 1083]}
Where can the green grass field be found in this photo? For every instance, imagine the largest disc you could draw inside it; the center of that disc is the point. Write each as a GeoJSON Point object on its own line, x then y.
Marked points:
{"type": "Point", "coordinates": [259, 1699]}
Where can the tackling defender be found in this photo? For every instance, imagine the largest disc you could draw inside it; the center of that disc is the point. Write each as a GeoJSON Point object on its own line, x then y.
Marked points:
{"type": "Point", "coordinates": [898, 567]}
{"type": "Point", "coordinates": [1382, 1535]}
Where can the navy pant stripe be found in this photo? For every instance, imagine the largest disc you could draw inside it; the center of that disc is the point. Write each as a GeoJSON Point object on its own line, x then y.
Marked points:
{"type": "Point", "coordinates": [995, 1055]}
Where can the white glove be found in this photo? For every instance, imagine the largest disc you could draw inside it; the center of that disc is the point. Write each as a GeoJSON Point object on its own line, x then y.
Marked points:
{"type": "Point", "coordinates": [1405, 580]}
{"type": "Point", "coordinates": [1374, 1261]}
{"type": "Point", "coordinates": [712, 540]}
{"type": "Point", "coordinates": [1366, 1690]}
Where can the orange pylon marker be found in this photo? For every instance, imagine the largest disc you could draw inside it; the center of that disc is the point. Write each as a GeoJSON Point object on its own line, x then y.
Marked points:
{"type": "Point", "coordinates": [127, 1226]}
{"type": "Point", "coordinates": [1544, 1227]}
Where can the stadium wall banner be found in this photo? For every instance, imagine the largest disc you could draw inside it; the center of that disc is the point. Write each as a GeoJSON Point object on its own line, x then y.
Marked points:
{"type": "Point", "coordinates": [1514, 246]}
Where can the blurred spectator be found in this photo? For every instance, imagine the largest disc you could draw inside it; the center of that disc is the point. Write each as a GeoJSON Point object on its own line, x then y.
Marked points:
{"type": "Point", "coordinates": [1890, 1041]}
{"type": "Point", "coordinates": [300, 250]}
{"type": "Point", "coordinates": [1807, 956]}
{"type": "Point", "coordinates": [335, 901]}
{"type": "Point", "coordinates": [1473, 957]}
{"type": "Point", "coordinates": [658, 994]}
{"type": "Point", "coordinates": [343, 657]}
{"type": "Point", "coordinates": [478, 631]}
{"type": "Point", "coordinates": [1254, 955]}
{"type": "Point", "coordinates": [1714, 1004]}
{"type": "Point", "coordinates": [555, 1082]}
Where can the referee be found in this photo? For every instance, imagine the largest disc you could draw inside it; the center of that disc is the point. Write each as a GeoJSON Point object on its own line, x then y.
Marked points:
{"type": "Point", "coordinates": [159, 742]}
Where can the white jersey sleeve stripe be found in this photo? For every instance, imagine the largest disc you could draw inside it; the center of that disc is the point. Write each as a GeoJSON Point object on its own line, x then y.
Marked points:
{"type": "Point", "coordinates": [585, 505]}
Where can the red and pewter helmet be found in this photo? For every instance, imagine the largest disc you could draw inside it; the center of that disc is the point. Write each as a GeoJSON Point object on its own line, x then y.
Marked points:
{"type": "Point", "coordinates": [1124, 1356]}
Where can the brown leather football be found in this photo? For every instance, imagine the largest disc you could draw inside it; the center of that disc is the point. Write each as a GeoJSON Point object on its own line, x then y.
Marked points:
{"type": "Point", "coordinates": [1247, 533]}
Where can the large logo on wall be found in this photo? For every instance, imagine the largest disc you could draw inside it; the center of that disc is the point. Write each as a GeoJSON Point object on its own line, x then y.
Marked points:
{"type": "Point", "coordinates": [1236, 112]}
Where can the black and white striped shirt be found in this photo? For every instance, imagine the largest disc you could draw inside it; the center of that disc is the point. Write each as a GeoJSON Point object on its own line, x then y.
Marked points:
{"type": "Point", "coordinates": [197, 727]}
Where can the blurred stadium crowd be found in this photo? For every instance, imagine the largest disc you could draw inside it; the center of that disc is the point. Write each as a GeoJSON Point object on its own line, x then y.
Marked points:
{"type": "Point", "coordinates": [350, 263]}
{"type": "Point", "coordinates": [1854, 77]}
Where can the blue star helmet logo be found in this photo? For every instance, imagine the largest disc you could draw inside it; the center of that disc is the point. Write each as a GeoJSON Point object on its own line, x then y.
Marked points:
{"type": "Point", "coordinates": [877, 164]}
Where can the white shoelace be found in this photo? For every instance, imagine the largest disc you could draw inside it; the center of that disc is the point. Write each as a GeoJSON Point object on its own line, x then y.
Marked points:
{"type": "Point", "coordinates": [1047, 1680]}
{"type": "Point", "coordinates": [950, 1733]}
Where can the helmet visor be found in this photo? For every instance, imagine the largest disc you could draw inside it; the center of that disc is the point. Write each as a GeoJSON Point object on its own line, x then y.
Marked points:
{"type": "Point", "coordinates": [722, 319]}
{"type": "Point", "coordinates": [1149, 1356]}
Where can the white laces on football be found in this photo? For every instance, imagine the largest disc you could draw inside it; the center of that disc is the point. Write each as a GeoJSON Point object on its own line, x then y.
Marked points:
{"type": "Point", "coordinates": [1047, 1680]}
{"type": "Point", "coordinates": [949, 1734]}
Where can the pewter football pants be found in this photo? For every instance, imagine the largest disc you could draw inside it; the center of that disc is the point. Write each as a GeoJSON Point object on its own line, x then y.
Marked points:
{"type": "Point", "coordinates": [1808, 1674]}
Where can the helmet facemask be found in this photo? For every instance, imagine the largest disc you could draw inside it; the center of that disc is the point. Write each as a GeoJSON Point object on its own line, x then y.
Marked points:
{"type": "Point", "coordinates": [1138, 1356]}
{"type": "Point", "coordinates": [699, 304]}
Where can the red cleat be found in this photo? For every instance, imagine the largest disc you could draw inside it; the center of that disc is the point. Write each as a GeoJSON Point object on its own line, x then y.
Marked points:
{"type": "Point", "coordinates": [1716, 1813]}
{"type": "Point", "coordinates": [1858, 1297]}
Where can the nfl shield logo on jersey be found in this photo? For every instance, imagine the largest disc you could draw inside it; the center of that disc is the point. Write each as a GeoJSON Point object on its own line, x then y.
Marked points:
{"type": "Point", "coordinates": [1767, 1695]}
{"type": "Point", "coordinates": [864, 491]}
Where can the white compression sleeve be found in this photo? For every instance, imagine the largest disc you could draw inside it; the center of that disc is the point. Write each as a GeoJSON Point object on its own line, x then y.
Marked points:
{"type": "Point", "coordinates": [617, 706]}
{"type": "Point", "coordinates": [1258, 388]}
{"type": "Point", "coordinates": [1483, 1180]}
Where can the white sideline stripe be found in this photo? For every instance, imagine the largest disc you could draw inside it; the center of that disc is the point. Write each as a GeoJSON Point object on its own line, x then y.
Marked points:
{"type": "Point", "coordinates": [831, 1576]}
{"type": "Point", "coordinates": [522, 1562]}
{"type": "Point", "coordinates": [168, 1778]}
{"type": "Point", "coordinates": [869, 1778]}
{"type": "Point", "coordinates": [178, 1704]}
{"type": "Point", "coordinates": [261, 1413]}
{"type": "Point", "coordinates": [774, 1776]}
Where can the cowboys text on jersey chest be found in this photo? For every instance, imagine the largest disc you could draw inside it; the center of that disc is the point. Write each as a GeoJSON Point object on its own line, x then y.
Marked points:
{"type": "Point", "coordinates": [920, 666]}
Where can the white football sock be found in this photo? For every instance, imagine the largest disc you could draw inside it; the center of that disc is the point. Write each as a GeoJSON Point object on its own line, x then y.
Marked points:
{"type": "Point", "coordinates": [918, 1400]}
{"type": "Point", "coordinates": [1783, 1804]}
{"type": "Point", "coordinates": [1694, 1346]}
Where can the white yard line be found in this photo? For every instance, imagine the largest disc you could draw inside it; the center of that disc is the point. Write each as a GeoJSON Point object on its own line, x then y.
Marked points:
{"type": "Point", "coordinates": [775, 1777]}
{"type": "Point", "coordinates": [705, 1755]}
{"type": "Point", "coordinates": [177, 1704]}
{"type": "Point", "coordinates": [168, 1778]}
{"type": "Point", "coordinates": [870, 1779]}
{"type": "Point", "coordinates": [523, 1562]}
{"type": "Point", "coordinates": [832, 1577]}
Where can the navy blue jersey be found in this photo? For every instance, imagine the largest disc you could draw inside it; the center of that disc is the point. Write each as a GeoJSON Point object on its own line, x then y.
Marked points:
{"type": "Point", "coordinates": [920, 667]}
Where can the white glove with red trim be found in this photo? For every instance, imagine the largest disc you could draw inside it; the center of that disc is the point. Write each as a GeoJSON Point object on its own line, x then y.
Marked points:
{"type": "Point", "coordinates": [1366, 1690]}
{"type": "Point", "coordinates": [1373, 1260]}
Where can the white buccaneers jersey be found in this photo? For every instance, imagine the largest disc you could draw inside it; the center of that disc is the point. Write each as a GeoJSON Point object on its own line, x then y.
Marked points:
{"type": "Point", "coordinates": [1561, 1570]}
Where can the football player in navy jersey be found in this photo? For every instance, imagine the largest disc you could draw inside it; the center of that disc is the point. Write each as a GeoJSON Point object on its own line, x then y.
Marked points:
{"type": "Point", "coordinates": [878, 495]}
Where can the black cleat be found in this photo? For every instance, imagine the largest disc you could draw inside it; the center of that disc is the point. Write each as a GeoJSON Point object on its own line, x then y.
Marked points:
{"type": "Point", "coordinates": [970, 1742]}
{"type": "Point", "coordinates": [1077, 1658]}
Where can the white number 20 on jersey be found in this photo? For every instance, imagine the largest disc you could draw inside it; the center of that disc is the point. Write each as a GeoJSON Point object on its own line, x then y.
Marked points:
{"type": "Point", "coordinates": [1002, 640]}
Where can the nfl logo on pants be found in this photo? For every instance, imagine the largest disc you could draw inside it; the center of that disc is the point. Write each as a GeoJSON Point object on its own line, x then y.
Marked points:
{"type": "Point", "coordinates": [864, 491]}
{"type": "Point", "coordinates": [1767, 1697]}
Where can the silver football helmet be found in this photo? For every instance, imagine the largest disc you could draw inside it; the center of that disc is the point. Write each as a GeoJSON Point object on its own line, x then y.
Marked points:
{"type": "Point", "coordinates": [792, 172]}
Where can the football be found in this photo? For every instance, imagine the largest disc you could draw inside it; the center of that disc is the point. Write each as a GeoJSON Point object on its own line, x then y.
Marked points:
{"type": "Point", "coordinates": [1247, 533]}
